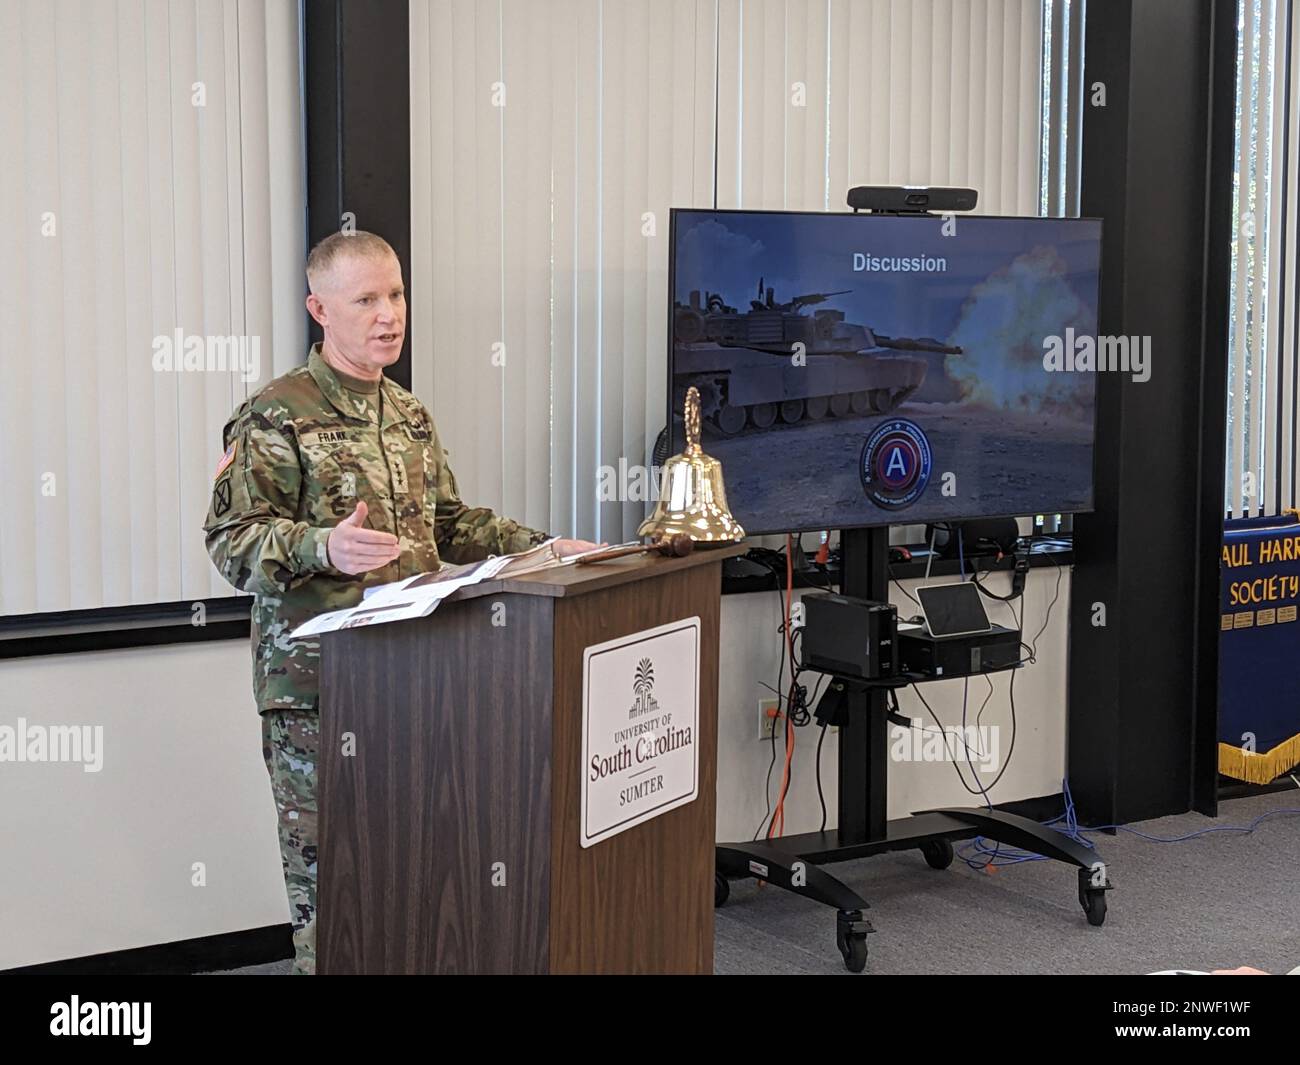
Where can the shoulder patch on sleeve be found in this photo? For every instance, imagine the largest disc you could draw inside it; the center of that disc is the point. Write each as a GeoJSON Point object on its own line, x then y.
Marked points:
{"type": "Point", "coordinates": [221, 497]}
{"type": "Point", "coordinates": [227, 458]}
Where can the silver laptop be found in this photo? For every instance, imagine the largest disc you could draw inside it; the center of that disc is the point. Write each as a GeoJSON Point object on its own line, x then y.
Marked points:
{"type": "Point", "coordinates": [953, 609]}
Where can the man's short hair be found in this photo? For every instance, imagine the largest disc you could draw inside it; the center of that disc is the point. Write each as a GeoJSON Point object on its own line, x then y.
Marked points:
{"type": "Point", "coordinates": [355, 245]}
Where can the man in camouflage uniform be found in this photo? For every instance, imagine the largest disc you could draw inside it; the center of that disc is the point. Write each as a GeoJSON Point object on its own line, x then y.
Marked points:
{"type": "Point", "coordinates": [333, 480]}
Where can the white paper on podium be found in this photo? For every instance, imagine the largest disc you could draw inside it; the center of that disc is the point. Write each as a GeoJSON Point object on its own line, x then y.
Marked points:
{"type": "Point", "coordinates": [419, 596]}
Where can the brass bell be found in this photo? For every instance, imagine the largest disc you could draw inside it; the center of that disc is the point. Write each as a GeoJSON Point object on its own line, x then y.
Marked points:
{"type": "Point", "coordinates": [692, 499]}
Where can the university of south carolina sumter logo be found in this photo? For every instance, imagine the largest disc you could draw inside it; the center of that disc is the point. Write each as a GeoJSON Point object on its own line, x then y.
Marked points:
{"type": "Point", "coordinates": [639, 760]}
{"type": "Point", "coordinates": [642, 684]}
{"type": "Point", "coordinates": [895, 465]}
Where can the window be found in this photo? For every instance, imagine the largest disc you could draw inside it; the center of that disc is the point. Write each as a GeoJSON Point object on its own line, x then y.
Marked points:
{"type": "Point", "coordinates": [1261, 469]}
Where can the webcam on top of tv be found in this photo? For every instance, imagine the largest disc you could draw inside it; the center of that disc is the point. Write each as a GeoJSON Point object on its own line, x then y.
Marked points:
{"type": "Point", "coordinates": [910, 199]}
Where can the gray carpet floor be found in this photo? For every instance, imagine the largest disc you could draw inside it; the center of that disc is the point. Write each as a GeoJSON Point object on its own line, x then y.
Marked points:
{"type": "Point", "coordinates": [1218, 901]}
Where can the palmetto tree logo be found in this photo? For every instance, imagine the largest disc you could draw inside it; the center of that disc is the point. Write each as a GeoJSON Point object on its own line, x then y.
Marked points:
{"type": "Point", "coordinates": [642, 685]}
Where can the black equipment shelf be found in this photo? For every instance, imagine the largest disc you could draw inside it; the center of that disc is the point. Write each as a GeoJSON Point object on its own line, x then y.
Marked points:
{"type": "Point", "coordinates": [1042, 553]}
{"type": "Point", "coordinates": [906, 680]}
{"type": "Point", "coordinates": [794, 862]}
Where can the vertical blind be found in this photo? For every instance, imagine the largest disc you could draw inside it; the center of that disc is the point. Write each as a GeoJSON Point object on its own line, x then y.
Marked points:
{"type": "Point", "coordinates": [549, 141]}
{"type": "Point", "coordinates": [815, 97]}
{"type": "Point", "coordinates": [153, 183]}
{"type": "Point", "coordinates": [1261, 473]}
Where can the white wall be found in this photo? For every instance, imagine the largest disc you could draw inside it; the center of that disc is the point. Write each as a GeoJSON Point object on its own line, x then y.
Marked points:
{"type": "Point", "coordinates": [750, 656]}
{"type": "Point", "coordinates": [96, 862]}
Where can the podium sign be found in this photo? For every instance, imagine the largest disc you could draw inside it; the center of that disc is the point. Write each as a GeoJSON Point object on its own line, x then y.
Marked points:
{"type": "Point", "coordinates": [640, 728]}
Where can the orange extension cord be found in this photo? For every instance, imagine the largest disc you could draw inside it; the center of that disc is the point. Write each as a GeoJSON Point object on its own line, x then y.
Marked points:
{"type": "Point", "coordinates": [777, 825]}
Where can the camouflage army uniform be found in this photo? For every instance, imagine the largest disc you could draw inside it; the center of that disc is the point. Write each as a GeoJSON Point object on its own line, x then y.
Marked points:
{"type": "Point", "coordinates": [300, 455]}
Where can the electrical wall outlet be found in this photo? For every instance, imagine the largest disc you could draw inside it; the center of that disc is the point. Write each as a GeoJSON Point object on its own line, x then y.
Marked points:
{"type": "Point", "coordinates": [769, 713]}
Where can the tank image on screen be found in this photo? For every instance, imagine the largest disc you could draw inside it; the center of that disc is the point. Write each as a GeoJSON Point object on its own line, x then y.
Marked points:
{"type": "Point", "coordinates": [864, 370]}
{"type": "Point", "coordinates": [741, 361]}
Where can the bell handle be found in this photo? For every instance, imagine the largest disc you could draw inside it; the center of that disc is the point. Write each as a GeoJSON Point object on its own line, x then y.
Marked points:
{"type": "Point", "coordinates": [692, 419]}
{"type": "Point", "coordinates": [677, 546]}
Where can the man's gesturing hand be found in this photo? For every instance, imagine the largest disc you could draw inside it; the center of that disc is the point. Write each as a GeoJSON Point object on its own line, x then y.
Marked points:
{"type": "Point", "coordinates": [355, 549]}
{"type": "Point", "coordinates": [565, 548]}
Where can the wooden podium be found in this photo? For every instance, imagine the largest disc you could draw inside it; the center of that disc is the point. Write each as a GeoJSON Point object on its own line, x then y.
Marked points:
{"type": "Point", "coordinates": [451, 785]}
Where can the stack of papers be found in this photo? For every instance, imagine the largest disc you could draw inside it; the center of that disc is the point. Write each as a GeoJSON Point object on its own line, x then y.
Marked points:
{"type": "Point", "coordinates": [419, 596]}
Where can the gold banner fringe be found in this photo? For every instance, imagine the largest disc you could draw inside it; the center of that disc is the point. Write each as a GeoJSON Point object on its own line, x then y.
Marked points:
{"type": "Point", "coordinates": [1259, 768]}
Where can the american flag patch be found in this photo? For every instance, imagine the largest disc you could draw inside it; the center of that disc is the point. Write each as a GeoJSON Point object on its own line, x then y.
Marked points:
{"type": "Point", "coordinates": [226, 459]}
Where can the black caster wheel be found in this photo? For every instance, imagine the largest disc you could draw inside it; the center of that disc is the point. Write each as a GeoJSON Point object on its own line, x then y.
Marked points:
{"type": "Point", "coordinates": [855, 954]}
{"type": "Point", "coordinates": [1093, 901]}
{"type": "Point", "coordinates": [721, 890]}
{"type": "Point", "coordinates": [938, 853]}
{"type": "Point", "coordinates": [851, 938]}
{"type": "Point", "coordinates": [1093, 885]}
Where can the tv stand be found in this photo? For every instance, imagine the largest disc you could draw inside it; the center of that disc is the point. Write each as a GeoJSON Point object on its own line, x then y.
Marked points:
{"type": "Point", "coordinates": [795, 862]}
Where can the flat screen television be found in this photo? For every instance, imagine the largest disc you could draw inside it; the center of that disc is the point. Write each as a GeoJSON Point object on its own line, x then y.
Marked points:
{"type": "Point", "coordinates": [860, 370]}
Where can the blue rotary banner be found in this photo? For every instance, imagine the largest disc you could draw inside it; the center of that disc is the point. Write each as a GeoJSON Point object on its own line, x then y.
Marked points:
{"type": "Point", "coordinates": [1259, 641]}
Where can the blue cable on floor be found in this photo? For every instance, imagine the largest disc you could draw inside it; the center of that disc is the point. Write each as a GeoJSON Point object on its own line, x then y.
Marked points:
{"type": "Point", "coordinates": [999, 854]}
